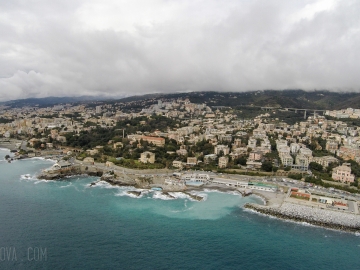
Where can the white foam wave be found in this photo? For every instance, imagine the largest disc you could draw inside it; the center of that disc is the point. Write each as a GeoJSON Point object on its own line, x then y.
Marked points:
{"type": "Point", "coordinates": [179, 195]}
{"type": "Point", "coordinates": [43, 181]}
{"type": "Point", "coordinates": [133, 195]}
{"type": "Point", "coordinates": [103, 184]}
{"type": "Point", "coordinates": [69, 185]}
{"type": "Point", "coordinates": [126, 191]}
{"type": "Point", "coordinates": [162, 196]}
{"type": "Point", "coordinates": [28, 177]}
{"type": "Point", "coordinates": [42, 158]}
{"type": "Point", "coordinates": [230, 192]}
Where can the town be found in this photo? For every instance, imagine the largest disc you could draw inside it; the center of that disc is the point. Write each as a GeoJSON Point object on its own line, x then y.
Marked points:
{"type": "Point", "coordinates": [200, 144]}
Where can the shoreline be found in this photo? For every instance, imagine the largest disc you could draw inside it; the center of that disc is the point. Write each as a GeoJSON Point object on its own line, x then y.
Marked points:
{"type": "Point", "coordinates": [273, 203]}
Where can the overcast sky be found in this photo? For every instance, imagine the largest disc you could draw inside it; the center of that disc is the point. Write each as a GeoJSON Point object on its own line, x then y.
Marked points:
{"type": "Point", "coordinates": [114, 48]}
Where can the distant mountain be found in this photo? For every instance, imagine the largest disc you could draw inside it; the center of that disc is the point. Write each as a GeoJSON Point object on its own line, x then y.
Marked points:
{"type": "Point", "coordinates": [50, 101]}
{"type": "Point", "coordinates": [300, 99]}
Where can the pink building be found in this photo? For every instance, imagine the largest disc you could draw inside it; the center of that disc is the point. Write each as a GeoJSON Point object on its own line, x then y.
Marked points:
{"type": "Point", "coordinates": [255, 155]}
{"type": "Point", "coordinates": [343, 173]}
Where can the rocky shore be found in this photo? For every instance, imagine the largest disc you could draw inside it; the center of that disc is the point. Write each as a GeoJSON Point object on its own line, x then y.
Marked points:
{"type": "Point", "coordinates": [66, 173]}
{"type": "Point", "coordinates": [315, 216]}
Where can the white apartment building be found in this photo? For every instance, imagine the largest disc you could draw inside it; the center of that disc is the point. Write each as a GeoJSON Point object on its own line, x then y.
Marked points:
{"type": "Point", "coordinates": [224, 148]}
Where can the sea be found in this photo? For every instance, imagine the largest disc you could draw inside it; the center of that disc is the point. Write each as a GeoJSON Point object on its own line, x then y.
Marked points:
{"type": "Point", "coordinates": [67, 224]}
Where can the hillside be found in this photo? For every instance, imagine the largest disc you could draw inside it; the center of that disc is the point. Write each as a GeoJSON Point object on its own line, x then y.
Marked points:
{"type": "Point", "coordinates": [271, 98]}
{"type": "Point", "coordinates": [268, 98]}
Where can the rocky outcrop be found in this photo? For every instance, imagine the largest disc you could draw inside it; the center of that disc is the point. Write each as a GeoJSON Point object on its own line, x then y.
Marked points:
{"type": "Point", "coordinates": [59, 174]}
{"type": "Point", "coordinates": [167, 194]}
{"type": "Point", "coordinates": [195, 197]}
{"type": "Point", "coordinates": [133, 192]}
{"type": "Point", "coordinates": [120, 182]}
{"type": "Point", "coordinates": [319, 217]}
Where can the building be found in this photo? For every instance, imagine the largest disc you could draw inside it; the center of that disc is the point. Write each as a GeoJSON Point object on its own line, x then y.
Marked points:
{"type": "Point", "coordinates": [181, 152]}
{"type": "Point", "coordinates": [280, 144]}
{"type": "Point", "coordinates": [147, 157]}
{"type": "Point", "coordinates": [196, 177]}
{"type": "Point", "coordinates": [302, 162]}
{"type": "Point", "coordinates": [109, 164]}
{"type": "Point", "coordinates": [225, 138]}
{"type": "Point", "coordinates": [348, 152]}
{"type": "Point", "coordinates": [118, 145]}
{"type": "Point", "coordinates": [251, 143]}
{"type": "Point", "coordinates": [158, 141]}
{"type": "Point", "coordinates": [331, 146]}
{"type": "Point", "coordinates": [191, 161]}
{"type": "Point", "coordinates": [223, 162]}
{"type": "Point", "coordinates": [343, 173]}
{"type": "Point", "coordinates": [61, 165]}
{"type": "Point", "coordinates": [177, 164]}
{"type": "Point", "coordinates": [209, 158]}
{"type": "Point", "coordinates": [294, 148]}
{"type": "Point", "coordinates": [92, 152]}
{"type": "Point", "coordinates": [222, 148]}
{"type": "Point", "coordinates": [253, 164]}
{"type": "Point", "coordinates": [49, 145]}
{"type": "Point", "coordinates": [236, 144]}
{"type": "Point", "coordinates": [325, 161]}
{"type": "Point", "coordinates": [98, 109]}
{"type": "Point", "coordinates": [255, 155]}
{"type": "Point", "coordinates": [286, 159]}
{"type": "Point", "coordinates": [88, 160]}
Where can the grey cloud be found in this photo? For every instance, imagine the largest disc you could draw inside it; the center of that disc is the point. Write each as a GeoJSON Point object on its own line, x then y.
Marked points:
{"type": "Point", "coordinates": [252, 45]}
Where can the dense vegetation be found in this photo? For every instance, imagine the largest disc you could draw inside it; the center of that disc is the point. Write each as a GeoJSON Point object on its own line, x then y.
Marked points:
{"type": "Point", "coordinates": [5, 120]}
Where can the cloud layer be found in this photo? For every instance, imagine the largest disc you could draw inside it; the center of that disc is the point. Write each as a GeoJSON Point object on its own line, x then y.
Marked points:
{"type": "Point", "coordinates": [78, 47]}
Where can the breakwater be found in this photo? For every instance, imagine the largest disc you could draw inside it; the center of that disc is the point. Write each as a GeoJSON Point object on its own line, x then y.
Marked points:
{"type": "Point", "coordinates": [315, 216]}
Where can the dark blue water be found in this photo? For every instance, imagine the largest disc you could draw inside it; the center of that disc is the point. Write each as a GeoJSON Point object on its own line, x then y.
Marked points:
{"type": "Point", "coordinates": [68, 225]}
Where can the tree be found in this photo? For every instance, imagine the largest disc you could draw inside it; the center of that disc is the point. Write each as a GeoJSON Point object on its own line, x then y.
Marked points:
{"type": "Point", "coordinates": [241, 161]}
{"type": "Point", "coordinates": [331, 166]}
{"type": "Point", "coordinates": [315, 166]}
{"type": "Point", "coordinates": [266, 166]}
{"type": "Point", "coordinates": [258, 142]}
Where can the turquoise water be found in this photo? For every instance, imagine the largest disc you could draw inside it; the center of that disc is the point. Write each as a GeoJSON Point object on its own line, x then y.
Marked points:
{"type": "Point", "coordinates": [68, 225]}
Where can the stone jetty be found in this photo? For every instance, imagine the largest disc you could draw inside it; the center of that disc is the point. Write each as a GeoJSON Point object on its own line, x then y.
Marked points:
{"type": "Point", "coordinates": [312, 215]}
